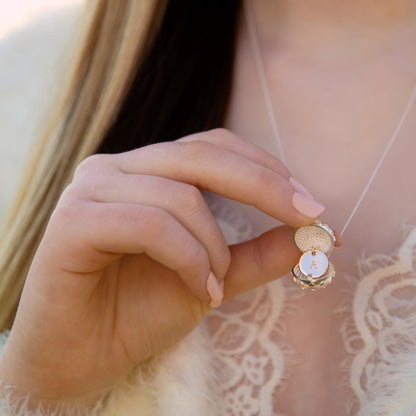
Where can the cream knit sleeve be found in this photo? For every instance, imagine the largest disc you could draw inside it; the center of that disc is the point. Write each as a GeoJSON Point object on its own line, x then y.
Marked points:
{"type": "Point", "coordinates": [179, 382]}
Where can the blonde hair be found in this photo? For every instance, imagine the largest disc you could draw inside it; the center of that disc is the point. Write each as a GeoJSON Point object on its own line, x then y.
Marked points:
{"type": "Point", "coordinates": [113, 37]}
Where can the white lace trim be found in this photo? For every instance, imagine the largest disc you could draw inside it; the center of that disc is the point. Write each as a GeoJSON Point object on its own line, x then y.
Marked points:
{"type": "Point", "coordinates": [380, 333]}
{"type": "Point", "coordinates": [247, 343]}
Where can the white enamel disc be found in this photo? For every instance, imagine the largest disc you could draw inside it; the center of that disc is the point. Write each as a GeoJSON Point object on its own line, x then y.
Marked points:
{"type": "Point", "coordinates": [313, 263]}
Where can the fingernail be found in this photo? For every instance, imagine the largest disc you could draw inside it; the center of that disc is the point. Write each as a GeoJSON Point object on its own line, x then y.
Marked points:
{"type": "Point", "coordinates": [214, 290]}
{"type": "Point", "coordinates": [307, 206]}
{"type": "Point", "coordinates": [300, 188]}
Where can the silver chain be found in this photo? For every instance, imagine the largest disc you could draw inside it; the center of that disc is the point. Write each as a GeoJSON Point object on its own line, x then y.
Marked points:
{"type": "Point", "coordinates": [260, 68]}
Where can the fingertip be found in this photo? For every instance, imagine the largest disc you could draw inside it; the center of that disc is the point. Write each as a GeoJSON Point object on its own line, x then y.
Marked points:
{"type": "Point", "coordinates": [338, 239]}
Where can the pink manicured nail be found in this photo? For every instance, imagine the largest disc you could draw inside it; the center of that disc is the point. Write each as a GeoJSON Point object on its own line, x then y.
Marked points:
{"type": "Point", "coordinates": [214, 290]}
{"type": "Point", "coordinates": [307, 206]}
{"type": "Point", "coordinates": [300, 188]}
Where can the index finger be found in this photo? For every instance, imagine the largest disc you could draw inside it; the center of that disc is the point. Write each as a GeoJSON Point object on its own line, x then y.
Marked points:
{"type": "Point", "coordinates": [230, 141]}
{"type": "Point", "coordinates": [214, 168]}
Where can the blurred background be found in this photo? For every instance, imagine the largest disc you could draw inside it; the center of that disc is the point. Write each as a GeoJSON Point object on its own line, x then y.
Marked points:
{"type": "Point", "coordinates": [35, 37]}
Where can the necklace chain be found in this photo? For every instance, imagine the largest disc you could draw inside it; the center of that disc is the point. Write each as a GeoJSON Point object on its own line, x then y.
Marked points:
{"type": "Point", "coordinates": [266, 93]}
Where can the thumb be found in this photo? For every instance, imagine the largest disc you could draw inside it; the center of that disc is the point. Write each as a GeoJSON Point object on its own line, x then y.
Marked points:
{"type": "Point", "coordinates": [261, 260]}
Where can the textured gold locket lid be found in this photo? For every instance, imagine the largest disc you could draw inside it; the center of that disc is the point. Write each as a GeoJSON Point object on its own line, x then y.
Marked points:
{"type": "Point", "coordinates": [317, 236]}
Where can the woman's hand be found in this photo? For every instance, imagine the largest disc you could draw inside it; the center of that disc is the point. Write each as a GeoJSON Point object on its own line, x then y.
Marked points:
{"type": "Point", "coordinates": [121, 272]}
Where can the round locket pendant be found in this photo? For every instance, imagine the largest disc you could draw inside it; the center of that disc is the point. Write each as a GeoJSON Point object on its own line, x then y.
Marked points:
{"type": "Point", "coordinates": [316, 241]}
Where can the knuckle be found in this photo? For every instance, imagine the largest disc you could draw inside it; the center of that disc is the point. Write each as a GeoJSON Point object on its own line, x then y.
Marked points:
{"type": "Point", "coordinates": [82, 188]}
{"type": "Point", "coordinates": [70, 197]}
{"type": "Point", "coordinates": [220, 132]}
{"type": "Point", "coordinates": [193, 150]}
{"type": "Point", "coordinates": [217, 135]}
{"type": "Point", "coordinates": [200, 257]}
{"type": "Point", "coordinates": [69, 208]}
{"type": "Point", "coordinates": [191, 198]}
{"type": "Point", "coordinates": [68, 194]}
{"type": "Point", "coordinates": [90, 165]}
{"type": "Point", "coordinates": [195, 260]}
{"type": "Point", "coordinates": [91, 177]}
{"type": "Point", "coordinates": [267, 179]}
{"type": "Point", "coordinates": [197, 144]}
{"type": "Point", "coordinates": [153, 149]}
{"type": "Point", "coordinates": [211, 134]}
{"type": "Point", "coordinates": [155, 220]}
